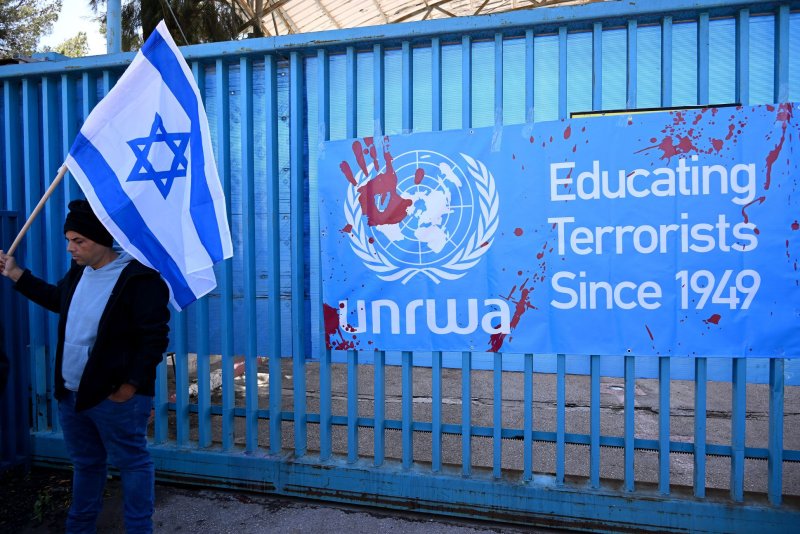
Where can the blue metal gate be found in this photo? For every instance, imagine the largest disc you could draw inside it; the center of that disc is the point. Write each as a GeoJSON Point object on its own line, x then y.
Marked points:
{"type": "Point", "coordinates": [249, 397]}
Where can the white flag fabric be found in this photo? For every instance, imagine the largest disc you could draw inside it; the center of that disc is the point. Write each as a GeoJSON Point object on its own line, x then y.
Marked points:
{"type": "Point", "coordinates": [144, 160]}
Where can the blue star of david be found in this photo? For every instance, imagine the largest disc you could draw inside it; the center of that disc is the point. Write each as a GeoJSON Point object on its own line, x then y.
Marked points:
{"type": "Point", "coordinates": [143, 169]}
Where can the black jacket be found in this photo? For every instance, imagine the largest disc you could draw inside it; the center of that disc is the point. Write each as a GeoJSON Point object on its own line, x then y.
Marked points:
{"type": "Point", "coordinates": [131, 335]}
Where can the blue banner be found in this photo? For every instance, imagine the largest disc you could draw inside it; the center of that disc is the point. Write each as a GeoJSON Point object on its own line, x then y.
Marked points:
{"type": "Point", "coordinates": [668, 233]}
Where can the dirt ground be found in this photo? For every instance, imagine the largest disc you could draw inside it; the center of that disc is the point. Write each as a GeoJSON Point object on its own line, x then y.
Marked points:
{"type": "Point", "coordinates": [39, 498]}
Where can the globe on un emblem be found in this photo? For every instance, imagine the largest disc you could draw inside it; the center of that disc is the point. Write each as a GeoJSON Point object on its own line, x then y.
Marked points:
{"type": "Point", "coordinates": [441, 215]}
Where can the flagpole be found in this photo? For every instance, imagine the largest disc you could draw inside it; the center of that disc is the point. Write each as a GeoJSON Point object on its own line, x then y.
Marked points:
{"type": "Point", "coordinates": [57, 180]}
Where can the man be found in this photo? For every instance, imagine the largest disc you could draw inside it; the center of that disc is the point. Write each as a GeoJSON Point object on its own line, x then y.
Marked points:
{"type": "Point", "coordinates": [112, 333]}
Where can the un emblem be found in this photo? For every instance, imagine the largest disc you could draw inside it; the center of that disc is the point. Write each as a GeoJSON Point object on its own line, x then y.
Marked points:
{"type": "Point", "coordinates": [425, 214]}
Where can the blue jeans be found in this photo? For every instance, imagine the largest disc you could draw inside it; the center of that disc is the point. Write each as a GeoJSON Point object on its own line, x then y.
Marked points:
{"type": "Point", "coordinates": [113, 432]}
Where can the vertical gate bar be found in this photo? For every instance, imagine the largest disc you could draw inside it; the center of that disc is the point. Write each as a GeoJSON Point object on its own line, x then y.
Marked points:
{"type": "Point", "coordinates": [466, 82]}
{"type": "Point", "coordinates": [249, 253]}
{"type": "Point", "coordinates": [631, 86]}
{"type": "Point", "coordinates": [226, 279]}
{"type": "Point", "coordinates": [378, 77]}
{"type": "Point", "coordinates": [408, 409]}
{"type": "Point", "coordinates": [297, 169]}
{"type": "Point", "coordinates": [325, 440]}
{"type": "Point", "coordinates": [108, 81]}
{"type": "Point", "coordinates": [743, 57]}
{"type": "Point", "coordinates": [738, 415]}
{"type": "Point", "coordinates": [781, 83]}
{"type": "Point", "coordinates": [69, 129]}
{"type": "Point", "coordinates": [380, 407]}
{"type": "Point", "coordinates": [498, 80]}
{"type": "Point", "coordinates": [352, 406]}
{"type": "Point", "coordinates": [630, 428]}
{"type": "Point", "coordinates": [527, 438]}
{"type": "Point", "coordinates": [34, 256]}
{"type": "Point", "coordinates": [53, 223]}
{"type": "Point", "coordinates": [436, 82]}
{"type": "Point", "coordinates": [12, 148]}
{"type": "Point", "coordinates": [201, 314]}
{"type": "Point", "coordinates": [466, 413]}
{"type": "Point", "coordinates": [663, 424]}
{"type": "Point", "coordinates": [700, 368]}
{"type": "Point", "coordinates": [703, 52]}
{"type": "Point", "coordinates": [597, 66]}
{"type": "Point", "coordinates": [274, 263]}
{"type": "Point", "coordinates": [89, 90]}
{"type": "Point", "coordinates": [323, 119]}
{"type": "Point", "coordinates": [529, 72]}
{"type": "Point", "coordinates": [407, 111]}
{"type": "Point", "coordinates": [180, 368]}
{"type": "Point", "coordinates": [160, 405]}
{"type": "Point", "coordinates": [563, 90]}
{"type": "Point", "coordinates": [351, 87]}
{"type": "Point", "coordinates": [497, 416]}
{"type": "Point", "coordinates": [594, 432]}
{"type": "Point", "coordinates": [561, 367]}
{"type": "Point", "coordinates": [775, 445]}
{"type": "Point", "coordinates": [436, 416]}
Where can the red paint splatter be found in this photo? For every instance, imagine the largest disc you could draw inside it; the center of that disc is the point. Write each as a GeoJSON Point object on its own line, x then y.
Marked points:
{"type": "Point", "coordinates": [784, 115]}
{"type": "Point", "coordinates": [521, 306]}
{"type": "Point", "coordinates": [567, 132]}
{"type": "Point", "coordinates": [795, 226]}
{"type": "Point", "coordinates": [714, 319]}
{"type": "Point", "coordinates": [731, 128]}
{"type": "Point", "coordinates": [518, 232]}
{"type": "Point", "coordinates": [348, 173]}
{"type": "Point", "coordinates": [760, 200]}
{"type": "Point", "coordinates": [379, 199]}
{"type": "Point", "coordinates": [371, 240]}
{"type": "Point", "coordinates": [485, 244]}
{"type": "Point", "coordinates": [347, 229]}
{"type": "Point", "coordinates": [669, 149]}
{"type": "Point", "coordinates": [649, 333]}
{"type": "Point", "coordinates": [358, 151]}
{"type": "Point", "coordinates": [531, 139]}
{"type": "Point", "coordinates": [419, 174]}
{"type": "Point", "coordinates": [540, 255]}
{"type": "Point", "coordinates": [513, 156]}
{"type": "Point", "coordinates": [717, 144]}
{"type": "Point", "coordinates": [331, 318]}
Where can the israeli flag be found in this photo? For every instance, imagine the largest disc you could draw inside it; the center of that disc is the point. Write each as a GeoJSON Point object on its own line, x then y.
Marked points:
{"type": "Point", "coordinates": [143, 158]}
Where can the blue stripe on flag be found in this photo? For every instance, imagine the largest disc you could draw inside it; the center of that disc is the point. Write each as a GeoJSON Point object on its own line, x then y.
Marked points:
{"type": "Point", "coordinates": [123, 212]}
{"type": "Point", "coordinates": [201, 205]}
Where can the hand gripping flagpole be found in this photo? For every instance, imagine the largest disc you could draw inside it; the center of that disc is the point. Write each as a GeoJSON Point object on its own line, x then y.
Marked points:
{"type": "Point", "coordinates": [57, 180]}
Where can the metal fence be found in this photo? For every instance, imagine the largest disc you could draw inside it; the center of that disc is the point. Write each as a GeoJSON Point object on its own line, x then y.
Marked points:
{"type": "Point", "coordinates": [249, 396]}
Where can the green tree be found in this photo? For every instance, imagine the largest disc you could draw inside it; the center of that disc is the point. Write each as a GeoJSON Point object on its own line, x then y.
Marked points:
{"type": "Point", "coordinates": [77, 46]}
{"type": "Point", "coordinates": [23, 23]}
{"type": "Point", "coordinates": [198, 21]}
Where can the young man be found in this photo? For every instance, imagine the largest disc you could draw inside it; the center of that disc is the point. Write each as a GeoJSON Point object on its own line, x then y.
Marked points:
{"type": "Point", "coordinates": [112, 332]}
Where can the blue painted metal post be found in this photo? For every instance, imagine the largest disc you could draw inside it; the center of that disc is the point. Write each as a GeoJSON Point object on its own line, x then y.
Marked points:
{"type": "Point", "coordinates": [775, 446]}
{"type": "Point", "coordinates": [113, 26]}
{"type": "Point", "coordinates": [782, 47]}
{"type": "Point", "coordinates": [529, 71]}
{"type": "Point", "coordinates": [297, 166]}
{"type": "Point", "coordinates": [274, 264]}
{"type": "Point", "coordinates": [407, 111]}
{"type": "Point", "coordinates": [597, 66]}
{"type": "Point", "coordinates": [743, 57]}
{"type": "Point", "coordinates": [13, 147]}
{"type": "Point", "coordinates": [160, 405]}
{"type": "Point", "coordinates": [527, 403]}
{"type": "Point", "coordinates": [594, 423]}
{"type": "Point", "coordinates": [703, 55]}
{"type": "Point", "coordinates": [497, 416]}
{"type": "Point", "coordinates": [630, 423]}
{"type": "Point", "coordinates": [352, 406]}
{"type": "Point", "coordinates": [498, 81]}
{"type": "Point", "coordinates": [408, 409]}
{"type": "Point", "coordinates": [378, 108]}
{"type": "Point", "coordinates": [738, 415]}
{"type": "Point", "coordinates": [202, 335]}
{"type": "Point", "coordinates": [69, 129]}
{"type": "Point", "coordinates": [631, 86]}
{"type": "Point", "coordinates": [700, 427]}
{"type": "Point", "coordinates": [249, 253]}
{"type": "Point", "coordinates": [436, 416]}
{"type": "Point", "coordinates": [226, 268]}
{"type": "Point", "coordinates": [436, 82]}
{"type": "Point", "coordinates": [466, 82]}
{"type": "Point", "coordinates": [181, 369]}
{"type": "Point", "coordinates": [380, 407]}
{"type": "Point", "coordinates": [466, 413]}
{"type": "Point", "coordinates": [561, 368]}
{"type": "Point", "coordinates": [663, 424]}
{"type": "Point", "coordinates": [562, 73]}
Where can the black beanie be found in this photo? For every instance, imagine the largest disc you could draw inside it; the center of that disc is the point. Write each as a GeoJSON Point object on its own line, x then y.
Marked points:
{"type": "Point", "coordinates": [81, 219]}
